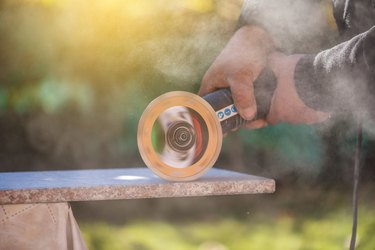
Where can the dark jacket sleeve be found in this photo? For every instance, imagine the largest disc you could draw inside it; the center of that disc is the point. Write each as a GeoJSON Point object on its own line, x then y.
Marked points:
{"type": "Point", "coordinates": [341, 78]}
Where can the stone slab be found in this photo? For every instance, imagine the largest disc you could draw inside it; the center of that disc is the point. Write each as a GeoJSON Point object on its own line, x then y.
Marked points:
{"type": "Point", "coordinates": [116, 184]}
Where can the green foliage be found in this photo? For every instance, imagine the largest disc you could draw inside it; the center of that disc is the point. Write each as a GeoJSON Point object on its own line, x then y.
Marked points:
{"type": "Point", "coordinates": [3, 99]}
{"type": "Point", "coordinates": [79, 66]}
{"type": "Point", "coordinates": [329, 232]}
{"type": "Point", "coordinates": [299, 145]}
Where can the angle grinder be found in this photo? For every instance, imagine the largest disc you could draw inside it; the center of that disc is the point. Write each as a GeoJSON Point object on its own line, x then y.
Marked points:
{"type": "Point", "coordinates": [180, 134]}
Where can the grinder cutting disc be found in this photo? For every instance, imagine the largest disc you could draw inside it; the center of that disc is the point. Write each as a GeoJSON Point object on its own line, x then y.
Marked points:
{"type": "Point", "coordinates": [179, 136]}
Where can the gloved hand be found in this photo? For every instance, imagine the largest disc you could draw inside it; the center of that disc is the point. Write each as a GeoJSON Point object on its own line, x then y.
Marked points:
{"type": "Point", "coordinates": [237, 66]}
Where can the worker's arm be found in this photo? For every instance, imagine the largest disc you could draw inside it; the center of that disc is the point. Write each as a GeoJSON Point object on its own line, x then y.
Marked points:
{"type": "Point", "coordinates": [308, 86]}
{"type": "Point", "coordinates": [261, 32]}
{"type": "Point", "coordinates": [340, 79]}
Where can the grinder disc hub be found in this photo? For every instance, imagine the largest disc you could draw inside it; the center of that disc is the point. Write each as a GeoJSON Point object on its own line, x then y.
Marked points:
{"type": "Point", "coordinates": [181, 136]}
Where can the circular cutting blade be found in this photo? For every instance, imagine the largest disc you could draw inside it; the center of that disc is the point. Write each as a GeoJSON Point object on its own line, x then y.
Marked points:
{"type": "Point", "coordinates": [179, 136]}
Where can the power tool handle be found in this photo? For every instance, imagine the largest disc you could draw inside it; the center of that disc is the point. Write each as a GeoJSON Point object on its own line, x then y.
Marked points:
{"type": "Point", "coordinates": [222, 101]}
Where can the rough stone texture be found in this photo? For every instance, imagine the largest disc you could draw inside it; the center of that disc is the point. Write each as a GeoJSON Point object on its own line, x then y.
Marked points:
{"type": "Point", "coordinates": [115, 184]}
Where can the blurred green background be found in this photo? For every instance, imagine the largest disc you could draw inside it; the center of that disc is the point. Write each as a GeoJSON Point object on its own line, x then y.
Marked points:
{"type": "Point", "coordinates": [75, 77]}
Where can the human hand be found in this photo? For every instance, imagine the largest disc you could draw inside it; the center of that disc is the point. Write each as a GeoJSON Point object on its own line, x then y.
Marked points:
{"type": "Point", "coordinates": [237, 66]}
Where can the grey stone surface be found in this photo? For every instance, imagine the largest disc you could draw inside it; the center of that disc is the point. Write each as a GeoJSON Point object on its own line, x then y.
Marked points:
{"type": "Point", "coordinates": [127, 183]}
